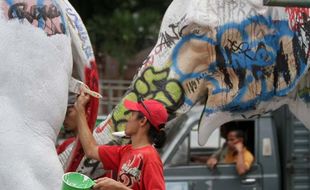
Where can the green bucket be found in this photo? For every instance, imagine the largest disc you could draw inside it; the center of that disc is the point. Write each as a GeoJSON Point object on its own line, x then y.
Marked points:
{"type": "Point", "coordinates": [76, 181]}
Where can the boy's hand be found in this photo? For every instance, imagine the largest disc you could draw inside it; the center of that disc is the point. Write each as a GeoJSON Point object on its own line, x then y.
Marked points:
{"type": "Point", "coordinates": [81, 102]}
{"type": "Point", "coordinates": [108, 184]}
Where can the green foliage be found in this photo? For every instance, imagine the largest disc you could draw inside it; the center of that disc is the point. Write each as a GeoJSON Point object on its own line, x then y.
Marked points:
{"type": "Point", "coordinates": [122, 28]}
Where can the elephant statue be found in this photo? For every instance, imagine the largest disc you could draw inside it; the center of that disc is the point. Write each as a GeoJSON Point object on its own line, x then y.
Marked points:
{"type": "Point", "coordinates": [239, 58]}
{"type": "Point", "coordinates": [43, 44]}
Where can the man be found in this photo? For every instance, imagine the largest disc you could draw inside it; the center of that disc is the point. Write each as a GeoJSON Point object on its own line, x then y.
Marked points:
{"type": "Point", "coordinates": [138, 164]}
{"type": "Point", "coordinates": [233, 152]}
{"type": "Point", "coordinates": [69, 124]}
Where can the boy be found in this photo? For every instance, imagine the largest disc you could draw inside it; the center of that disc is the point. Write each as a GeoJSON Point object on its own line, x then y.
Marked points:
{"type": "Point", "coordinates": [138, 164]}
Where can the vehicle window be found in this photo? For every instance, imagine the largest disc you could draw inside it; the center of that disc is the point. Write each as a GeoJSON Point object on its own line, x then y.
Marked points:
{"type": "Point", "coordinates": [215, 141]}
{"type": "Point", "coordinates": [189, 149]}
{"type": "Point", "coordinates": [181, 157]}
{"type": "Point", "coordinates": [189, 152]}
{"type": "Point", "coordinates": [247, 126]}
{"type": "Point", "coordinates": [200, 154]}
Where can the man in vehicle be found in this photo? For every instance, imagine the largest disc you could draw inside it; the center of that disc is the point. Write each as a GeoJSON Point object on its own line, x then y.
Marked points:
{"type": "Point", "coordinates": [233, 152]}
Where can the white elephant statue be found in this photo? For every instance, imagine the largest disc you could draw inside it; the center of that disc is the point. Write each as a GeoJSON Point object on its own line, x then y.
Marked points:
{"type": "Point", "coordinates": [42, 45]}
{"type": "Point", "coordinates": [240, 58]}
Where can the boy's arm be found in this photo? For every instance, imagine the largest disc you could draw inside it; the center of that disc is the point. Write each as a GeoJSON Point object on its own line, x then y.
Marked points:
{"type": "Point", "coordinates": [85, 136]}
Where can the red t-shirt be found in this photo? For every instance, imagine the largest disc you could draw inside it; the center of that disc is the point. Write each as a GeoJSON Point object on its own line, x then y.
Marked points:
{"type": "Point", "coordinates": [139, 169]}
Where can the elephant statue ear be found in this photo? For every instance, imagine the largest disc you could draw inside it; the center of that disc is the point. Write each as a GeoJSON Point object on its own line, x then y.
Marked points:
{"type": "Point", "coordinates": [85, 70]}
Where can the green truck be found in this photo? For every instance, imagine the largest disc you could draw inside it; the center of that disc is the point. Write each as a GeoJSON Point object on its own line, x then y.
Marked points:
{"type": "Point", "coordinates": [279, 142]}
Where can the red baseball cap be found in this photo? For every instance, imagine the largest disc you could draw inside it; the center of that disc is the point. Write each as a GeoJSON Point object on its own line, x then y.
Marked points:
{"type": "Point", "coordinates": [154, 111]}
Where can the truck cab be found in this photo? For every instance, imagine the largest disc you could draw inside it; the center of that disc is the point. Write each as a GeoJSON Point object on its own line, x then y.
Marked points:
{"type": "Point", "coordinates": [185, 162]}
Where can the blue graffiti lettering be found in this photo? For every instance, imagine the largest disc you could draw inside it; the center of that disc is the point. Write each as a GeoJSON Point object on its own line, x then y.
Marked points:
{"type": "Point", "coordinates": [258, 60]}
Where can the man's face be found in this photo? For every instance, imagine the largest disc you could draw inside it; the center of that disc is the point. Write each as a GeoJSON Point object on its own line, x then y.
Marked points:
{"type": "Point", "coordinates": [232, 140]}
{"type": "Point", "coordinates": [132, 124]}
{"type": "Point", "coordinates": [70, 119]}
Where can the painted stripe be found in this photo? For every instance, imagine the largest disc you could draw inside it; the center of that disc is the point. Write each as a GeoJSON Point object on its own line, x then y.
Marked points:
{"type": "Point", "coordinates": [10, 2]}
{"type": "Point", "coordinates": [41, 22]}
{"type": "Point", "coordinates": [62, 16]}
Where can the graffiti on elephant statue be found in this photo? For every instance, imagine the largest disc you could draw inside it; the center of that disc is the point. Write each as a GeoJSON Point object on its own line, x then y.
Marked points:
{"type": "Point", "coordinates": [252, 61]}
{"type": "Point", "coordinates": [150, 85]}
{"type": "Point", "coordinates": [46, 15]}
{"type": "Point", "coordinates": [240, 58]}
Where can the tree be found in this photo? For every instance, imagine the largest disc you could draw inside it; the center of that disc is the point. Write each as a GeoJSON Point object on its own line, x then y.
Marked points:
{"type": "Point", "coordinates": [121, 28]}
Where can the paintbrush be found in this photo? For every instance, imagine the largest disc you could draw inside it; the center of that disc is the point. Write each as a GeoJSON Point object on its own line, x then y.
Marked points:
{"type": "Point", "coordinates": [77, 86]}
